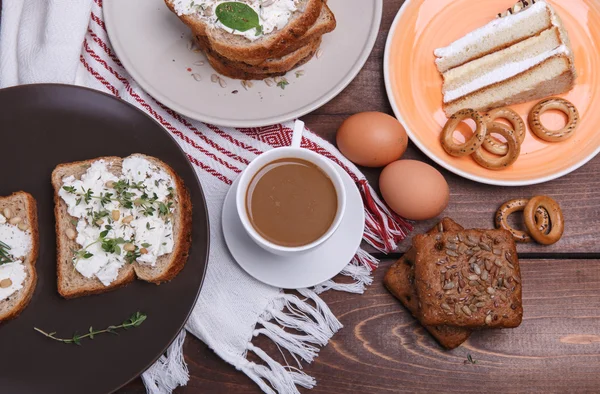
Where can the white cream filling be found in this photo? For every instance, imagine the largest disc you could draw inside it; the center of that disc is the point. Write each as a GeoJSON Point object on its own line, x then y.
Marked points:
{"type": "Point", "coordinates": [492, 28]}
{"type": "Point", "coordinates": [502, 73]}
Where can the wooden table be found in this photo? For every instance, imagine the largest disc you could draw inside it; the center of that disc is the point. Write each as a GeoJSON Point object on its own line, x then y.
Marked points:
{"type": "Point", "coordinates": [382, 349]}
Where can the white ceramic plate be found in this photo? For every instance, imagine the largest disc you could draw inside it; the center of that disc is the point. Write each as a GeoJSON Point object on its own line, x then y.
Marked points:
{"type": "Point", "coordinates": [152, 43]}
{"type": "Point", "coordinates": [305, 270]}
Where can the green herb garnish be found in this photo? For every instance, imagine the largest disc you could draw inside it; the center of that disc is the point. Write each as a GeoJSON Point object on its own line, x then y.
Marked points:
{"type": "Point", "coordinates": [134, 321]}
{"type": "Point", "coordinates": [4, 256]}
{"type": "Point", "coordinates": [470, 359]}
{"type": "Point", "coordinates": [238, 16]}
{"type": "Point", "coordinates": [111, 245]}
{"type": "Point", "coordinates": [132, 256]}
{"type": "Point", "coordinates": [283, 83]}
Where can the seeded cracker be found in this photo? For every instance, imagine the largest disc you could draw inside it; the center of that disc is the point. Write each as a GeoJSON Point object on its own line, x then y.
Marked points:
{"type": "Point", "coordinates": [469, 278]}
{"type": "Point", "coordinates": [400, 281]}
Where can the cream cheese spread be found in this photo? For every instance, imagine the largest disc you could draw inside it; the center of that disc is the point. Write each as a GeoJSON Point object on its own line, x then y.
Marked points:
{"type": "Point", "coordinates": [120, 219]}
{"type": "Point", "coordinates": [19, 245]}
{"type": "Point", "coordinates": [273, 14]}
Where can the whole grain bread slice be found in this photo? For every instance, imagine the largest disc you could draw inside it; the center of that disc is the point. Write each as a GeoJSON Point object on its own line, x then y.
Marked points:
{"type": "Point", "coordinates": [22, 205]}
{"type": "Point", "coordinates": [271, 45]}
{"type": "Point", "coordinates": [237, 73]}
{"type": "Point", "coordinates": [70, 282]}
{"type": "Point", "coordinates": [270, 67]}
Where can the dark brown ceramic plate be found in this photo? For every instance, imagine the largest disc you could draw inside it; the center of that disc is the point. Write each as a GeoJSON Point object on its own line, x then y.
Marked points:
{"type": "Point", "coordinates": [40, 127]}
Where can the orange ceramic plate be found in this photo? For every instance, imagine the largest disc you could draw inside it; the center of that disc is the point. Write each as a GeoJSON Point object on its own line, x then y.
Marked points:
{"type": "Point", "coordinates": [414, 86]}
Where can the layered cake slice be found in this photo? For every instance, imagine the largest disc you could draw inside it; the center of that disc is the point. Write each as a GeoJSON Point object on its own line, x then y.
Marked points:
{"type": "Point", "coordinates": [522, 56]}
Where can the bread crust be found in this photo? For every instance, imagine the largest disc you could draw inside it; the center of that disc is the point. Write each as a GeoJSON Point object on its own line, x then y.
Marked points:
{"type": "Point", "coordinates": [270, 66]}
{"type": "Point", "coordinates": [127, 273]}
{"type": "Point", "coordinates": [236, 73]}
{"type": "Point", "coordinates": [31, 259]}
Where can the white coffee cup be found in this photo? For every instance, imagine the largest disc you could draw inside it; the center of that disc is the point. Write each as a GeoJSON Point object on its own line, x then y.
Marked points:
{"type": "Point", "coordinates": [296, 152]}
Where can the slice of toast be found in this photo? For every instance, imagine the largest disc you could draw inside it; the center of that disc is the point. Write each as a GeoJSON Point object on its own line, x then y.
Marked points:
{"type": "Point", "coordinates": [20, 205]}
{"type": "Point", "coordinates": [270, 67]}
{"type": "Point", "coordinates": [71, 283]}
{"type": "Point", "coordinates": [271, 45]}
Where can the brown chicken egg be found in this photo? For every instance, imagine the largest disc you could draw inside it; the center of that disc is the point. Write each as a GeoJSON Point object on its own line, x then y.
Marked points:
{"type": "Point", "coordinates": [414, 190]}
{"type": "Point", "coordinates": [372, 139]}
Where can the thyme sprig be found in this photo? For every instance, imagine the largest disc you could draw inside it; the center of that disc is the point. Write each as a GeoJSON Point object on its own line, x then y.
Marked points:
{"type": "Point", "coordinates": [148, 205]}
{"type": "Point", "coordinates": [4, 255]}
{"type": "Point", "coordinates": [134, 321]}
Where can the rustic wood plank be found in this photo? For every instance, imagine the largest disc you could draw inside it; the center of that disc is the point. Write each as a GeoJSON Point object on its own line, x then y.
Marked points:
{"type": "Point", "coordinates": [383, 349]}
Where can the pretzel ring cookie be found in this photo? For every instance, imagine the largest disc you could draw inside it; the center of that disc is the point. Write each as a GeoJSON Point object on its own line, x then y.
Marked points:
{"type": "Point", "coordinates": [473, 143]}
{"type": "Point", "coordinates": [493, 145]}
{"type": "Point", "coordinates": [560, 104]}
{"type": "Point", "coordinates": [498, 163]}
{"type": "Point", "coordinates": [557, 223]}
{"type": "Point", "coordinates": [512, 206]}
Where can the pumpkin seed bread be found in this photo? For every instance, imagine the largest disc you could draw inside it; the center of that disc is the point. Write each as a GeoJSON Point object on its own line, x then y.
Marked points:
{"type": "Point", "coordinates": [400, 281]}
{"type": "Point", "coordinates": [468, 278]}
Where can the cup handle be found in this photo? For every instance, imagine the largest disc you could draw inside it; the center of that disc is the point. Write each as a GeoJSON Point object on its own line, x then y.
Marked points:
{"type": "Point", "coordinates": [297, 136]}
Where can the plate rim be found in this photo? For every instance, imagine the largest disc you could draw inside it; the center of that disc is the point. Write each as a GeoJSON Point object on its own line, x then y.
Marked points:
{"type": "Point", "coordinates": [440, 161]}
{"type": "Point", "coordinates": [35, 86]}
{"type": "Point", "coordinates": [290, 115]}
{"type": "Point", "coordinates": [235, 183]}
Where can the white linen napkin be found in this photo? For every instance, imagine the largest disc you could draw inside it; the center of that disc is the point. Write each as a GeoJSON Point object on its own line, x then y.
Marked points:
{"type": "Point", "coordinates": [66, 41]}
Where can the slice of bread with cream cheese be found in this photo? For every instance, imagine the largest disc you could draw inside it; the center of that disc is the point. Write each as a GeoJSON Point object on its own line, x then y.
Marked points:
{"type": "Point", "coordinates": [118, 219]}
{"type": "Point", "coordinates": [19, 245]}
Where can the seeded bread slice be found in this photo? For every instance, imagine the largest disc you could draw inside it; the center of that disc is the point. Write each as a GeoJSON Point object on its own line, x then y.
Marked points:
{"type": "Point", "coordinates": [469, 279]}
{"type": "Point", "coordinates": [70, 282]}
{"type": "Point", "coordinates": [271, 67]}
{"type": "Point", "coordinates": [271, 45]}
{"type": "Point", "coordinates": [400, 281]}
{"type": "Point", "coordinates": [22, 205]}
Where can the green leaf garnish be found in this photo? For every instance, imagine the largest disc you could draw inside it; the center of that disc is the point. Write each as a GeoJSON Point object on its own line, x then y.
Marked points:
{"type": "Point", "coordinates": [238, 16]}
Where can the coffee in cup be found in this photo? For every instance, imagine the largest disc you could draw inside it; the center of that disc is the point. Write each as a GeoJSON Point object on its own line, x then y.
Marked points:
{"type": "Point", "coordinates": [291, 202]}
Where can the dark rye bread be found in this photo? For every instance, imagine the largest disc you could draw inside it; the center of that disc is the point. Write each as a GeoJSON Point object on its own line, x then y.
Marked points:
{"type": "Point", "coordinates": [271, 67]}
{"type": "Point", "coordinates": [23, 205]}
{"type": "Point", "coordinates": [469, 278]}
{"type": "Point", "coordinates": [400, 281]}
{"type": "Point", "coordinates": [70, 282]}
{"type": "Point", "coordinates": [272, 45]}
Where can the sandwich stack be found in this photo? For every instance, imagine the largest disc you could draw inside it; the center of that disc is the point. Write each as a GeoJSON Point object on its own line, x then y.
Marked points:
{"type": "Point", "coordinates": [256, 39]}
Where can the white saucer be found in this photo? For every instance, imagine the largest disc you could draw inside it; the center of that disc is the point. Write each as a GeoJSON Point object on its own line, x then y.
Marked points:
{"type": "Point", "coordinates": [305, 270]}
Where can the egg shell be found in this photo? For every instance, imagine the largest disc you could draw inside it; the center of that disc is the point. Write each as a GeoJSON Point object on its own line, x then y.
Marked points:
{"type": "Point", "coordinates": [414, 190]}
{"type": "Point", "coordinates": [372, 139]}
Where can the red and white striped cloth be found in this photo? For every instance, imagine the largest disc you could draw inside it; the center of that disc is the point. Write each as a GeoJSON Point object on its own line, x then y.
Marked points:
{"type": "Point", "coordinates": [66, 41]}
